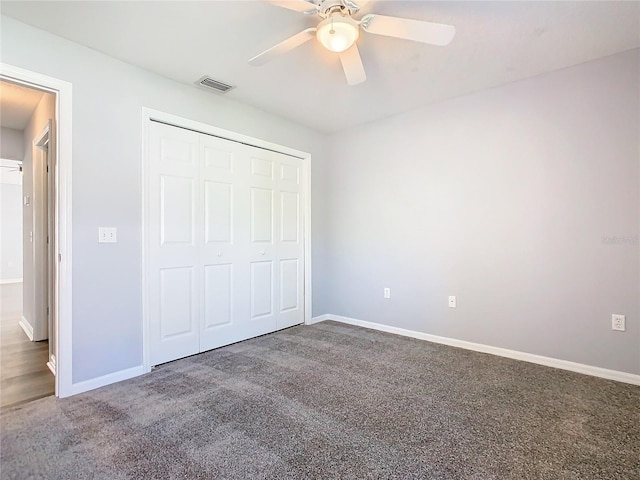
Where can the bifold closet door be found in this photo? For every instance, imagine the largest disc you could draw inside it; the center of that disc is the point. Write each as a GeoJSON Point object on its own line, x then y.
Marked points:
{"type": "Point", "coordinates": [253, 253]}
{"type": "Point", "coordinates": [226, 251]}
{"type": "Point", "coordinates": [174, 250]}
{"type": "Point", "coordinates": [276, 259]}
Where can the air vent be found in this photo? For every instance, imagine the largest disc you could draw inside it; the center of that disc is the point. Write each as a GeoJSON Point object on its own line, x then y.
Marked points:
{"type": "Point", "coordinates": [212, 84]}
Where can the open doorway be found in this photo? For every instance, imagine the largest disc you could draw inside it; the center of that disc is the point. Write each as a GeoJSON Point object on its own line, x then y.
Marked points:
{"type": "Point", "coordinates": [27, 244]}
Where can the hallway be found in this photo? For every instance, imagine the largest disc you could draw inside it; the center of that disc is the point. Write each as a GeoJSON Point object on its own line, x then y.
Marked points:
{"type": "Point", "coordinates": [24, 375]}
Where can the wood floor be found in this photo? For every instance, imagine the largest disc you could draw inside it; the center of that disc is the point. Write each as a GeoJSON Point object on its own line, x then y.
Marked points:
{"type": "Point", "coordinates": [24, 375]}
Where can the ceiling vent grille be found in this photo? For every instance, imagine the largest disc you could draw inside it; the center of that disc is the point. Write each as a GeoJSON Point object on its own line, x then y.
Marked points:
{"type": "Point", "coordinates": [212, 84]}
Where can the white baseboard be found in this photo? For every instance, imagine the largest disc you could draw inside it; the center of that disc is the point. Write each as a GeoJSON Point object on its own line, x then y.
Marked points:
{"type": "Point", "coordinates": [10, 280]}
{"type": "Point", "coordinates": [501, 352]}
{"type": "Point", "coordinates": [320, 318]}
{"type": "Point", "coordinates": [98, 382]}
{"type": "Point", "coordinates": [52, 364]}
{"type": "Point", "coordinates": [26, 326]}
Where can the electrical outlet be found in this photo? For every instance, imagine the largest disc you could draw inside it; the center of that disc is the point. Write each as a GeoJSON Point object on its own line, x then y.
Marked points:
{"type": "Point", "coordinates": [107, 235]}
{"type": "Point", "coordinates": [452, 301]}
{"type": "Point", "coordinates": [387, 293]}
{"type": "Point", "coordinates": [618, 322]}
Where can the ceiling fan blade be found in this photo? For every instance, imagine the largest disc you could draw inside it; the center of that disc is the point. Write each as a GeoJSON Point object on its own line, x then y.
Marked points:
{"type": "Point", "coordinates": [283, 47]}
{"type": "Point", "coordinates": [355, 5]}
{"type": "Point", "coordinates": [298, 5]}
{"type": "Point", "coordinates": [352, 65]}
{"type": "Point", "coordinates": [419, 31]}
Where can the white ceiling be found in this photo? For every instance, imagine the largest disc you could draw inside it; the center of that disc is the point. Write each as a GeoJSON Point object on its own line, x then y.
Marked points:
{"type": "Point", "coordinates": [496, 43]}
{"type": "Point", "coordinates": [17, 105]}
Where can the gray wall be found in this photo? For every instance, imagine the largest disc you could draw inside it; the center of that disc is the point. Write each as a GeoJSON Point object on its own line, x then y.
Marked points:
{"type": "Point", "coordinates": [108, 96]}
{"type": "Point", "coordinates": [523, 201]}
{"type": "Point", "coordinates": [11, 144]}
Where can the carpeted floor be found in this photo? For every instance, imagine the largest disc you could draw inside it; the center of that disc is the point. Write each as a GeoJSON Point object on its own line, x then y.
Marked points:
{"type": "Point", "coordinates": [332, 401]}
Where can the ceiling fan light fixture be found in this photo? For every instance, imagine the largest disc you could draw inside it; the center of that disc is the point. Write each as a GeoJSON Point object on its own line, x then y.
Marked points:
{"type": "Point", "coordinates": [338, 33]}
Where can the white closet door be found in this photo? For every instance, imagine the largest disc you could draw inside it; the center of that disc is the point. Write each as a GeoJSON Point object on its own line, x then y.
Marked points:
{"type": "Point", "coordinates": [276, 246]}
{"type": "Point", "coordinates": [262, 258]}
{"type": "Point", "coordinates": [173, 247]}
{"type": "Point", "coordinates": [290, 242]}
{"type": "Point", "coordinates": [225, 278]}
{"type": "Point", "coordinates": [226, 251]}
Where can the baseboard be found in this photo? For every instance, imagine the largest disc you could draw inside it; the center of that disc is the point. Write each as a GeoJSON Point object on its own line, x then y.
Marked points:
{"type": "Point", "coordinates": [320, 318]}
{"type": "Point", "coordinates": [26, 326]}
{"type": "Point", "coordinates": [105, 380]}
{"type": "Point", "coordinates": [501, 352]}
{"type": "Point", "coordinates": [10, 280]}
{"type": "Point", "coordinates": [51, 364]}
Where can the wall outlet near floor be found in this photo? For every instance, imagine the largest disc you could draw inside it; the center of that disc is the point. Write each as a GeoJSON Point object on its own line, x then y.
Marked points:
{"type": "Point", "coordinates": [452, 301]}
{"type": "Point", "coordinates": [387, 293]}
{"type": "Point", "coordinates": [618, 322]}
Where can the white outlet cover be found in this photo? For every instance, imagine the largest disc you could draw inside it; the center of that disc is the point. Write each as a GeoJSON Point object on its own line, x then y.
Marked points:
{"type": "Point", "coordinates": [618, 322]}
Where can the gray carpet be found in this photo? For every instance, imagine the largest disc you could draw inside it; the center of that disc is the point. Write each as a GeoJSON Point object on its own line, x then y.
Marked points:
{"type": "Point", "coordinates": [333, 401]}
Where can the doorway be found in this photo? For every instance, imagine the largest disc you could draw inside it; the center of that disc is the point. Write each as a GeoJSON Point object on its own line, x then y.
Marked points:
{"type": "Point", "coordinates": [27, 314]}
{"type": "Point", "coordinates": [43, 145]}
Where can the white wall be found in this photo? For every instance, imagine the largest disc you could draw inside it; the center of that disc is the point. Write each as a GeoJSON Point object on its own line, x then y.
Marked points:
{"type": "Point", "coordinates": [511, 199]}
{"type": "Point", "coordinates": [108, 96]}
{"type": "Point", "coordinates": [10, 222]}
{"type": "Point", "coordinates": [11, 144]}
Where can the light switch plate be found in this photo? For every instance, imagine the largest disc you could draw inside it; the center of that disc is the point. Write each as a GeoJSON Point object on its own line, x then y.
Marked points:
{"type": "Point", "coordinates": [107, 235]}
{"type": "Point", "coordinates": [452, 301]}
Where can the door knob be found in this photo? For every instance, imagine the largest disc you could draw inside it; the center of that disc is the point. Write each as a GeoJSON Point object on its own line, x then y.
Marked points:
{"type": "Point", "coordinates": [262, 252]}
{"type": "Point", "coordinates": [219, 254]}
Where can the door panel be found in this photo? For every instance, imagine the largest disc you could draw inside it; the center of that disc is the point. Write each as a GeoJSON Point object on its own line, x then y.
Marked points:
{"type": "Point", "coordinates": [261, 289]}
{"type": "Point", "coordinates": [173, 254]}
{"type": "Point", "coordinates": [218, 214]}
{"type": "Point", "coordinates": [217, 157]}
{"type": "Point", "coordinates": [218, 295]}
{"type": "Point", "coordinates": [289, 174]}
{"type": "Point", "coordinates": [176, 149]}
{"type": "Point", "coordinates": [289, 284]}
{"type": "Point", "coordinates": [176, 209]}
{"type": "Point", "coordinates": [290, 245]}
{"type": "Point", "coordinates": [261, 215]}
{"type": "Point", "coordinates": [262, 167]}
{"type": "Point", "coordinates": [225, 281]}
{"type": "Point", "coordinates": [290, 215]}
{"type": "Point", "coordinates": [176, 302]}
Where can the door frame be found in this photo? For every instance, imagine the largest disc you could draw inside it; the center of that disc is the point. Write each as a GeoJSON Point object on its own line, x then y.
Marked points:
{"type": "Point", "coordinates": [63, 224]}
{"type": "Point", "coordinates": [149, 115]}
{"type": "Point", "coordinates": [46, 142]}
{"type": "Point", "coordinates": [43, 144]}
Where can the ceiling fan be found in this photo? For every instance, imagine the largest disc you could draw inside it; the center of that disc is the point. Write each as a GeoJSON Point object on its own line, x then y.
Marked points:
{"type": "Point", "coordinates": [338, 32]}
